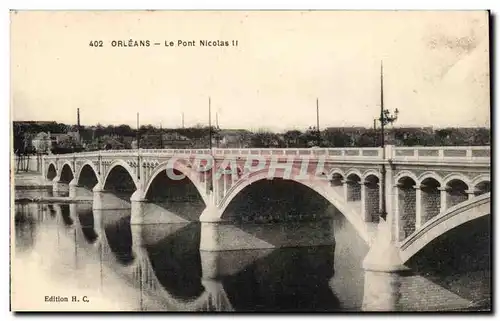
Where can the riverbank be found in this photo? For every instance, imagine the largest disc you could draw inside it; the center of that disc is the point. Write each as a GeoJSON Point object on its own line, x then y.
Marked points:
{"type": "Point", "coordinates": [34, 181]}
{"type": "Point", "coordinates": [30, 180]}
{"type": "Point", "coordinates": [53, 199]}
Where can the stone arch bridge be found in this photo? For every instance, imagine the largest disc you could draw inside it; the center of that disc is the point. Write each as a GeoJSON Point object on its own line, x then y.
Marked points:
{"type": "Point", "coordinates": [430, 190]}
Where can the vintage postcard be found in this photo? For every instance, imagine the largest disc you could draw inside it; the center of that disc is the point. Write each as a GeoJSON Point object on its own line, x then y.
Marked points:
{"type": "Point", "coordinates": [250, 161]}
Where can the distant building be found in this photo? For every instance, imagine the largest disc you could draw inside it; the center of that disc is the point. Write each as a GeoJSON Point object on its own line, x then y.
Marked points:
{"type": "Point", "coordinates": [111, 143]}
{"type": "Point", "coordinates": [165, 141]}
{"type": "Point", "coordinates": [34, 122]}
{"type": "Point", "coordinates": [232, 139]}
{"type": "Point", "coordinates": [75, 135]}
{"type": "Point", "coordinates": [42, 143]}
{"type": "Point", "coordinates": [59, 138]}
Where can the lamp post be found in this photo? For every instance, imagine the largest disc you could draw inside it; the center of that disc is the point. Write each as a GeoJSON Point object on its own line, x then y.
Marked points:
{"type": "Point", "coordinates": [318, 133]}
{"type": "Point", "coordinates": [385, 118]}
{"type": "Point", "coordinates": [209, 123]}
{"type": "Point", "coordinates": [217, 129]}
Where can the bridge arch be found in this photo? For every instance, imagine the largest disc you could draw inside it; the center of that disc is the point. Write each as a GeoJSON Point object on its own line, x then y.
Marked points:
{"type": "Point", "coordinates": [430, 197]}
{"type": "Point", "coordinates": [51, 171]}
{"type": "Point", "coordinates": [317, 185]}
{"type": "Point", "coordinates": [370, 172]}
{"type": "Point", "coordinates": [455, 216]}
{"type": "Point", "coordinates": [371, 184]}
{"type": "Point", "coordinates": [355, 172]}
{"type": "Point", "coordinates": [406, 205]}
{"type": "Point", "coordinates": [456, 177]}
{"type": "Point", "coordinates": [120, 182]}
{"type": "Point", "coordinates": [481, 185]}
{"type": "Point", "coordinates": [87, 175]}
{"type": "Point", "coordinates": [66, 175]}
{"type": "Point", "coordinates": [184, 169]}
{"type": "Point", "coordinates": [125, 166]}
{"type": "Point", "coordinates": [336, 178]}
{"type": "Point", "coordinates": [353, 180]}
{"type": "Point", "coordinates": [336, 172]}
{"type": "Point", "coordinates": [433, 175]}
{"type": "Point", "coordinates": [456, 190]}
{"type": "Point", "coordinates": [405, 173]}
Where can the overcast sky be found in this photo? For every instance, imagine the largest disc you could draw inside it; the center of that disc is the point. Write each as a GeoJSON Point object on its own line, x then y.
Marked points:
{"type": "Point", "coordinates": [436, 68]}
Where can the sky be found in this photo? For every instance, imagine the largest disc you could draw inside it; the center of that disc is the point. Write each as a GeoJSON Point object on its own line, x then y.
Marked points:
{"type": "Point", "coordinates": [436, 68]}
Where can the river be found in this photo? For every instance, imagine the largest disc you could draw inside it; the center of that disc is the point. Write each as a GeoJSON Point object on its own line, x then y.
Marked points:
{"type": "Point", "coordinates": [62, 251]}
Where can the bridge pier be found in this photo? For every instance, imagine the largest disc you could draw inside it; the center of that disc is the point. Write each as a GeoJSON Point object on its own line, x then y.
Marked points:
{"type": "Point", "coordinates": [137, 239]}
{"type": "Point", "coordinates": [73, 188]}
{"type": "Point", "coordinates": [382, 291]}
{"type": "Point", "coordinates": [211, 213]}
{"type": "Point", "coordinates": [383, 268]}
{"type": "Point", "coordinates": [73, 213]}
{"type": "Point", "coordinates": [57, 185]}
{"type": "Point", "coordinates": [107, 200]}
{"type": "Point", "coordinates": [137, 202]}
{"type": "Point", "coordinates": [98, 227]}
{"type": "Point", "coordinates": [217, 298]}
{"type": "Point", "coordinates": [97, 201]}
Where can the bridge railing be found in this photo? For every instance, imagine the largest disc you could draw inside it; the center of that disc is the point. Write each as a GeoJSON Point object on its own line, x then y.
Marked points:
{"type": "Point", "coordinates": [129, 152]}
{"type": "Point", "coordinates": [370, 152]}
{"type": "Point", "coordinates": [480, 154]}
{"type": "Point", "coordinates": [447, 154]}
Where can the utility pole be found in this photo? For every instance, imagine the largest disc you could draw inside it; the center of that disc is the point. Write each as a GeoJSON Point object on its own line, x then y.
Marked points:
{"type": "Point", "coordinates": [138, 137]}
{"type": "Point", "coordinates": [317, 122]}
{"type": "Point", "coordinates": [161, 137]}
{"type": "Point", "coordinates": [385, 118]}
{"type": "Point", "coordinates": [217, 129]}
{"type": "Point", "coordinates": [182, 120]}
{"type": "Point", "coordinates": [78, 124]}
{"type": "Point", "coordinates": [209, 123]}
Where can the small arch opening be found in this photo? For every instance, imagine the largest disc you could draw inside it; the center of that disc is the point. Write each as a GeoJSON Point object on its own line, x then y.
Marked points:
{"type": "Point", "coordinates": [456, 192]}
{"type": "Point", "coordinates": [482, 188]}
{"type": "Point", "coordinates": [406, 206]}
{"type": "Point", "coordinates": [353, 182]}
{"type": "Point", "coordinates": [372, 199]}
{"type": "Point", "coordinates": [431, 198]}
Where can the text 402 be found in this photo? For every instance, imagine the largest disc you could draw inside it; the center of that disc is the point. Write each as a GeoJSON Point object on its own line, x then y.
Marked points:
{"type": "Point", "coordinates": [95, 43]}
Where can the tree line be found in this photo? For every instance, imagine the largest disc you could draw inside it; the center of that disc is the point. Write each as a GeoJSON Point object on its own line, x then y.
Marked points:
{"type": "Point", "coordinates": [263, 138]}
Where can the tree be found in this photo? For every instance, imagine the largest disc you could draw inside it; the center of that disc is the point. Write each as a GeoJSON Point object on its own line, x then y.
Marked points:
{"type": "Point", "coordinates": [482, 137]}
{"type": "Point", "coordinates": [124, 130]}
{"type": "Point", "coordinates": [336, 138]}
{"type": "Point", "coordinates": [370, 138]}
{"type": "Point", "coordinates": [292, 138]}
{"type": "Point", "coordinates": [99, 130]}
{"type": "Point", "coordinates": [265, 139]}
{"type": "Point", "coordinates": [442, 136]}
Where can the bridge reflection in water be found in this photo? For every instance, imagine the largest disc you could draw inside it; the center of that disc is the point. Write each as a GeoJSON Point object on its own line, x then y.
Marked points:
{"type": "Point", "coordinates": [160, 267]}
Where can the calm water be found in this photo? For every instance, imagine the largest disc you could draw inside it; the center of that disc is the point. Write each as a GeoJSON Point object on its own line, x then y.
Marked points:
{"type": "Point", "coordinates": [71, 250]}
